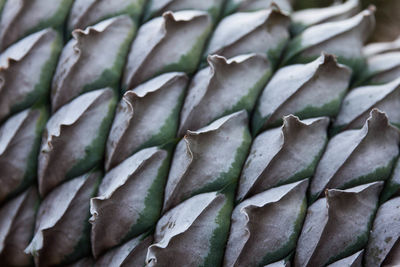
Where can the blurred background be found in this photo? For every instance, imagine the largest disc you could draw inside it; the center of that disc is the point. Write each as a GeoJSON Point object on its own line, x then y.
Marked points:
{"type": "Point", "coordinates": [387, 16]}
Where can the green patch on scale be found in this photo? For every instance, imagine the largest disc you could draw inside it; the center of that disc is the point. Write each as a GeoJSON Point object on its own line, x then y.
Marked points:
{"type": "Point", "coordinates": [233, 173]}
{"type": "Point", "coordinates": [32, 160]}
{"type": "Point", "coordinates": [168, 130]}
{"type": "Point", "coordinates": [188, 62]}
{"type": "Point", "coordinates": [359, 67]}
{"type": "Point", "coordinates": [214, 12]}
{"type": "Point", "coordinates": [357, 64]}
{"type": "Point", "coordinates": [297, 28]}
{"type": "Point", "coordinates": [379, 174]}
{"type": "Point", "coordinates": [334, 130]}
{"type": "Point", "coordinates": [94, 152]}
{"type": "Point", "coordinates": [152, 203]}
{"type": "Point", "coordinates": [82, 247]}
{"type": "Point", "coordinates": [391, 187]}
{"type": "Point", "coordinates": [359, 244]}
{"type": "Point", "coordinates": [274, 54]}
{"type": "Point", "coordinates": [111, 77]}
{"type": "Point", "coordinates": [396, 124]}
{"type": "Point", "coordinates": [134, 10]}
{"type": "Point", "coordinates": [293, 48]}
{"type": "Point", "coordinates": [304, 173]}
{"type": "Point", "coordinates": [230, 7]}
{"type": "Point", "coordinates": [42, 88]}
{"type": "Point", "coordinates": [330, 109]}
{"type": "Point", "coordinates": [2, 2]}
{"type": "Point", "coordinates": [56, 21]}
{"type": "Point", "coordinates": [220, 234]}
{"type": "Point", "coordinates": [248, 101]}
{"type": "Point", "coordinates": [257, 122]}
{"type": "Point", "coordinates": [285, 249]}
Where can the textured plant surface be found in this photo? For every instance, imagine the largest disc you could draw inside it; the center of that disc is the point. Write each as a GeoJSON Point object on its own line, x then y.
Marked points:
{"type": "Point", "coordinates": [200, 133]}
